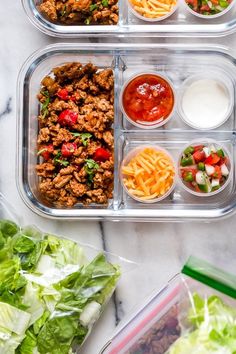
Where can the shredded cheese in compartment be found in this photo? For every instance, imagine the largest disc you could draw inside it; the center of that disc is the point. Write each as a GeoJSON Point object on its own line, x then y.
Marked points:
{"type": "Point", "coordinates": [150, 174]}
{"type": "Point", "coordinates": [153, 8]}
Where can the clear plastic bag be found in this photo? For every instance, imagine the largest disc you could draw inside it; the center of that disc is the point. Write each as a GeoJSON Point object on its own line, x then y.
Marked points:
{"type": "Point", "coordinates": [195, 313]}
{"type": "Point", "coordinates": [52, 290]}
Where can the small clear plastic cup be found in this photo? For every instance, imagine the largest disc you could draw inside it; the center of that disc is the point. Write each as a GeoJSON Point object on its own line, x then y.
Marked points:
{"type": "Point", "coordinates": [156, 19]}
{"type": "Point", "coordinates": [219, 77]}
{"type": "Point", "coordinates": [147, 125]}
{"type": "Point", "coordinates": [209, 17]}
{"type": "Point", "coordinates": [132, 153]}
{"type": "Point", "coordinates": [207, 142]}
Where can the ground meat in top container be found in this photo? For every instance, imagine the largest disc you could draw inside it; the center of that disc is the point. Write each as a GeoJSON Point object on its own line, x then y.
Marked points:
{"type": "Point", "coordinates": [82, 12]}
{"type": "Point", "coordinates": [159, 338]}
{"type": "Point", "coordinates": [75, 139]}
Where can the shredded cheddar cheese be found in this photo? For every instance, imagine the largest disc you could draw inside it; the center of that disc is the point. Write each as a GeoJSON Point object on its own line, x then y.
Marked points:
{"type": "Point", "coordinates": [149, 174]}
{"type": "Point", "coordinates": [153, 8]}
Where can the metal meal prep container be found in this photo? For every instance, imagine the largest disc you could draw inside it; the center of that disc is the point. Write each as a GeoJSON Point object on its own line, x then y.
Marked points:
{"type": "Point", "coordinates": [176, 62]}
{"type": "Point", "coordinates": [182, 23]}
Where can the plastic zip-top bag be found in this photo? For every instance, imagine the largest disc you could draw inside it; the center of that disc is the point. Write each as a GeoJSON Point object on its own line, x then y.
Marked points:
{"type": "Point", "coordinates": [195, 313]}
{"type": "Point", "coordinates": [51, 292]}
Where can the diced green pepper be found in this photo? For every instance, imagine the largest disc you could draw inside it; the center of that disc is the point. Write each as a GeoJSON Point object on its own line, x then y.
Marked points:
{"type": "Point", "coordinates": [189, 150]}
{"type": "Point", "coordinates": [215, 188]}
{"type": "Point", "coordinates": [201, 166]}
{"type": "Point", "coordinates": [187, 161]}
{"type": "Point", "coordinates": [220, 153]}
{"type": "Point", "coordinates": [203, 187]}
{"type": "Point", "coordinates": [188, 177]}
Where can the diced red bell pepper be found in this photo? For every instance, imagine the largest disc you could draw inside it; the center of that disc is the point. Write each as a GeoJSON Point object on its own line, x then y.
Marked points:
{"type": "Point", "coordinates": [63, 94]}
{"type": "Point", "coordinates": [68, 149]}
{"type": "Point", "coordinates": [46, 151]}
{"type": "Point", "coordinates": [199, 156]}
{"type": "Point", "coordinates": [213, 159]}
{"type": "Point", "coordinates": [67, 117]}
{"type": "Point", "coordinates": [101, 155]}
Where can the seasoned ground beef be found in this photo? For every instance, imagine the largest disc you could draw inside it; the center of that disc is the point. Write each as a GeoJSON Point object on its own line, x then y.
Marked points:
{"type": "Point", "coordinates": [75, 139]}
{"type": "Point", "coordinates": [82, 12]}
{"type": "Point", "coordinates": [158, 339]}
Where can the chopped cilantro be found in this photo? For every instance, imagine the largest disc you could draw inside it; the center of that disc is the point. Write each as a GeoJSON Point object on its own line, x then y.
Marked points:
{"type": "Point", "coordinates": [105, 3]}
{"type": "Point", "coordinates": [84, 137]}
{"type": "Point", "coordinates": [93, 7]}
{"type": "Point", "coordinates": [44, 109]}
{"type": "Point", "coordinates": [90, 167]}
{"type": "Point", "coordinates": [60, 161]}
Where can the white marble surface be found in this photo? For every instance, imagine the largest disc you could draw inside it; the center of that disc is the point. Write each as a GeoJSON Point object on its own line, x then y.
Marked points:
{"type": "Point", "coordinates": [159, 249]}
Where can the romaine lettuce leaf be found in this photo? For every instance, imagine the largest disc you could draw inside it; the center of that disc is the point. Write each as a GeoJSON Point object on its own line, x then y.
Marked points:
{"type": "Point", "coordinates": [46, 284]}
{"type": "Point", "coordinates": [13, 319]}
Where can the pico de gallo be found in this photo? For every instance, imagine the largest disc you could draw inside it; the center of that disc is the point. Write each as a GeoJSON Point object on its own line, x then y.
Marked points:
{"type": "Point", "coordinates": [148, 99]}
{"type": "Point", "coordinates": [204, 168]}
{"type": "Point", "coordinates": [208, 7]}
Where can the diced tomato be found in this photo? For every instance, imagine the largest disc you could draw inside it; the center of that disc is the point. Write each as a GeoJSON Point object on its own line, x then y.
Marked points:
{"type": "Point", "coordinates": [136, 105]}
{"type": "Point", "coordinates": [68, 149]}
{"type": "Point", "coordinates": [213, 159]}
{"type": "Point", "coordinates": [155, 114]}
{"type": "Point", "coordinates": [215, 2]}
{"type": "Point", "coordinates": [194, 3]}
{"type": "Point", "coordinates": [198, 147]}
{"type": "Point", "coordinates": [67, 117]}
{"type": "Point", "coordinates": [46, 151]}
{"type": "Point", "coordinates": [199, 156]}
{"type": "Point", "coordinates": [223, 160]}
{"type": "Point", "coordinates": [63, 94]}
{"type": "Point", "coordinates": [101, 155]}
{"type": "Point", "coordinates": [217, 174]}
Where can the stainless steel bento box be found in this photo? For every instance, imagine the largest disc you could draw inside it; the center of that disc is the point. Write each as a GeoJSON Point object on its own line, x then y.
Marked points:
{"type": "Point", "coordinates": [177, 62]}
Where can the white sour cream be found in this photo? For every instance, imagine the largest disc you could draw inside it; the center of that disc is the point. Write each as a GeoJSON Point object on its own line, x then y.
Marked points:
{"type": "Point", "coordinates": [206, 104]}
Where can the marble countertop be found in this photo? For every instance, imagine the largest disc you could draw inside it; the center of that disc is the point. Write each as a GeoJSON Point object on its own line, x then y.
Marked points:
{"type": "Point", "coordinates": [158, 249]}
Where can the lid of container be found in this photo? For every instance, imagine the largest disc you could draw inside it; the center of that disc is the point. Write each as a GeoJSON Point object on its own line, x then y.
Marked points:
{"type": "Point", "coordinates": [160, 312]}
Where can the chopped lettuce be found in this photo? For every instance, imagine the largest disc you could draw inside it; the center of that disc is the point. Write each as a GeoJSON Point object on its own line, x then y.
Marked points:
{"type": "Point", "coordinates": [213, 328]}
{"type": "Point", "coordinates": [46, 285]}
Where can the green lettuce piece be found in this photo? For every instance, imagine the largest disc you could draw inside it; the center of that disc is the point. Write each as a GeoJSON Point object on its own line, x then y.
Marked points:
{"type": "Point", "coordinates": [9, 341]}
{"type": "Point", "coordinates": [28, 345]}
{"type": "Point", "coordinates": [214, 328]}
{"type": "Point", "coordinates": [64, 251]}
{"type": "Point", "coordinates": [13, 319]}
{"type": "Point", "coordinates": [12, 282]}
{"type": "Point", "coordinates": [8, 228]}
{"type": "Point", "coordinates": [28, 248]}
{"type": "Point", "coordinates": [94, 282]}
{"type": "Point", "coordinates": [57, 334]}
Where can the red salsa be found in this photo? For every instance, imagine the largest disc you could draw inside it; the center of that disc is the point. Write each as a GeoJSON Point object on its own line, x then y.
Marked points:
{"type": "Point", "coordinates": [148, 98]}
